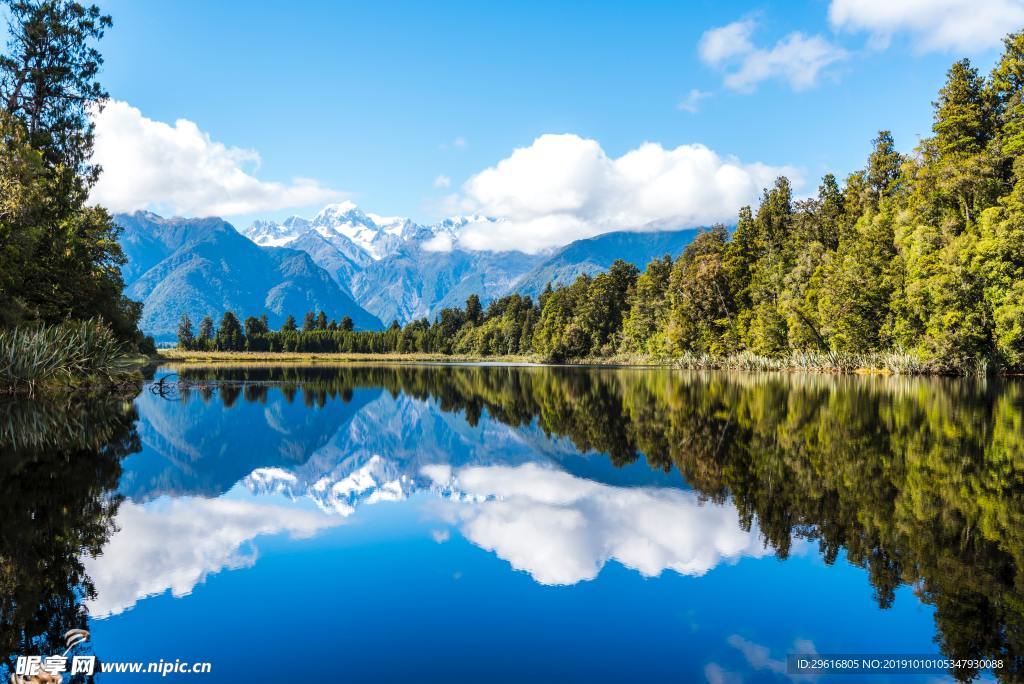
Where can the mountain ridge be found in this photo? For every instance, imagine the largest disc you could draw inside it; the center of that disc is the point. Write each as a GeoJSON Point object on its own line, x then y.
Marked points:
{"type": "Point", "coordinates": [346, 262]}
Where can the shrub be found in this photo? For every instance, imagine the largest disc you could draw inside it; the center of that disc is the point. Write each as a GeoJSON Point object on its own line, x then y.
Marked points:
{"type": "Point", "coordinates": [70, 352]}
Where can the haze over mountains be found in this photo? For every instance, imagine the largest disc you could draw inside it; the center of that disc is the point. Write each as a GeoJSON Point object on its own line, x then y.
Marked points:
{"type": "Point", "coordinates": [346, 262]}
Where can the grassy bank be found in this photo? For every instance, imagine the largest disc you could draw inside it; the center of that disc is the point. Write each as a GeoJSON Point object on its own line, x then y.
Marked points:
{"type": "Point", "coordinates": [71, 354]}
{"type": "Point", "coordinates": [352, 357]}
{"type": "Point", "coordinates": [883, 363]}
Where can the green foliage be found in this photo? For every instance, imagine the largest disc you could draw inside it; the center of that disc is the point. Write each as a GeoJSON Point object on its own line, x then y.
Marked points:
{"type": "Point", "coordinates": [66, 353]}
{"type": "Point", "coordinates": [229, 334]}
{"type": "Point", "coordinates": [59, 258]}
{"type": "Point", "coordinates": [185, 335]}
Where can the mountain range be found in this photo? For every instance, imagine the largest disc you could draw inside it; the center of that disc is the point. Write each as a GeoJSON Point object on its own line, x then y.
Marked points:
{"type": "Point", "coordinates": [346, 262]}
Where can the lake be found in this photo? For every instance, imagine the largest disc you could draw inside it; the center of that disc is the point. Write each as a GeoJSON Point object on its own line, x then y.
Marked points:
{"type": "Point", "coordinates": [495, 523]}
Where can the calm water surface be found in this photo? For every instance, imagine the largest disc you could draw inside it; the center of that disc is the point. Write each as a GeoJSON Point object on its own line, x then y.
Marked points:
{"type": "Point", "coordinates": [433, 523]}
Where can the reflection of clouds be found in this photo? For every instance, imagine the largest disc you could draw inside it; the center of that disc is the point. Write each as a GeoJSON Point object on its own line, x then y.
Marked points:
{"type": "Point", "coordinates": [175, 543]}
{"type": "Point", "coordinates": [716, 675]}
{"type": "Point", "coordinates": [756, 655]}
{"type": "Point", "coordinates": [759, 658]}
{"type": "Point", "coordinates": [563, 529]}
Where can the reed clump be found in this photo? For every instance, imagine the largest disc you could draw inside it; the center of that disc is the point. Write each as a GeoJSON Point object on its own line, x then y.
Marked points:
{"type": "Point", "coordinates": [71, 353]}
{"type": "Point", "coordinates": [889, 363]}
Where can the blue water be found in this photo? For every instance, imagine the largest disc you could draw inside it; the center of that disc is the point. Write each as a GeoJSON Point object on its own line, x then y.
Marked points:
{"type": "Point", "coordinates": [380, 536]}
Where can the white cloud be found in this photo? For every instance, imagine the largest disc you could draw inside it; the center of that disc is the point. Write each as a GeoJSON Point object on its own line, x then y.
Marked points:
{"type": "Point", "coordinates": [691, 101]}
{"type": "Point", "coordinates": [797, 59]}
{"type": "Point", "coordinates": [176, 543]}
{"type": "Point", "coordinates": [562, 529]}
{"type": "Point", "coordinates": [179, 169]}
{"type": "Point", "coordinates": [959, 25]}
{"type": "Point", "coordinates": [725, 42]}
{"type": "Point", "coordinates": [442, 181]}
{"type": "Point", "coordinates": [458, 143]}
{"type": "Point", "coordinates": [563, 188]}
{"type": "Point", "coordinates": [442, 242]}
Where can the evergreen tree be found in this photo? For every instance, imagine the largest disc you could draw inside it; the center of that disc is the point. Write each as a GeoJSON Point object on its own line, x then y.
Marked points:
{"type": "Point", "coordinates": [1008, 92]}
{"type": "Point", "coordinates": [474, 312]}
{"type": "Point", "coordinates": [185, 336]}
{"type": "Point", "coordinates": [346, 323]}
{"type": "Point", "coordinates": [963, 115]}
{"type": "Point", "coordinates": [883, 172]}
{"type": "Point", "coordinates": [206, 329]}
{"type": "Point", "coordinates": [229, 334]}
{"type": "Point", "coordinates": [321, 321]}
{"type": "Point", "coordinates": [309, 322]}
{"type": "Point", "coordinates": [289, 324]}
{"type": "Point", "coordinates": [255, 326]}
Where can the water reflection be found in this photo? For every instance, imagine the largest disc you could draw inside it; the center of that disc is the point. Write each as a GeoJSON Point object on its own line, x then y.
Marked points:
{"type": "Point", "coordinates": [174, 544]}
{"type": "Point", "coordinates": [920, 482]}
{"type": "Point", "coordinates": [59, 467]}
{"type": "Point", "coordinates": [563, 529]}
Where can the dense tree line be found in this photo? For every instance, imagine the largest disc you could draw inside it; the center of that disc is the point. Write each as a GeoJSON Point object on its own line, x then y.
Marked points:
{"type": "Point", "coordinates": [505, 327]}
{"type": "Point", "coordinates": [59, 256]}
{"type": "Point", "coordinates": [921, 254]}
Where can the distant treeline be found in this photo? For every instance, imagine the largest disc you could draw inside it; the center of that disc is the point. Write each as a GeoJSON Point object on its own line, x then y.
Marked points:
{"type": "Point", "coordinates": [921, 254]}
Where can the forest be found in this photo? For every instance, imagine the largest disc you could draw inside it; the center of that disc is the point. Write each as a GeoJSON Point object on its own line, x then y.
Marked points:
{"type": "Point", "coordinates": [916, 258]}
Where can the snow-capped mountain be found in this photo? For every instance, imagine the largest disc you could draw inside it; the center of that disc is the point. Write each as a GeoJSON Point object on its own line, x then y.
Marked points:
{"type": "Point", "coordinates": [375, 235]}
{"type": "Point", "coordinates": [400, 270]}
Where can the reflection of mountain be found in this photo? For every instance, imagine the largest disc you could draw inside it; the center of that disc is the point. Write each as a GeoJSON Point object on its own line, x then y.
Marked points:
{"type": "Point", "coordinates": [202, 445]}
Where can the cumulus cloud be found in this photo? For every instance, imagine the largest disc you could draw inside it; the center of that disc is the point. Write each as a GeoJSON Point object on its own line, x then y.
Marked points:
{"type": "Point", "coordinates": [176, 543]}
{"type": "Point", "coordinates": [959, 25]}
{"type": "Point", "coordinates": [563, 188]}
{"type": "Point", "coordinates": [179, 169]}
{"type": "Point", "coordinates": [796, 59]}
{"type": "Point", "coordinates": [562, 529]}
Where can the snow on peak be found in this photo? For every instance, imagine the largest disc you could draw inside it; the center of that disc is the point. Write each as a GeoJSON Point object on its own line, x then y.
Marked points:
{"type": "Point", "coordinates": [377, 235]}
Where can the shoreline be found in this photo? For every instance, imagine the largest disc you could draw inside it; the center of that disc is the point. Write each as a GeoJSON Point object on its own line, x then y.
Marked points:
{"type": "Point", "coordinates": [876, 364]}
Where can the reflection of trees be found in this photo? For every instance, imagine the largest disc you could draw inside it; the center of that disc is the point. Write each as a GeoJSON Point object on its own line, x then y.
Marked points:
{"type": "Point", "coordinates": [59, 464]}
{"type": "Point", "coordinates": [921, 482]}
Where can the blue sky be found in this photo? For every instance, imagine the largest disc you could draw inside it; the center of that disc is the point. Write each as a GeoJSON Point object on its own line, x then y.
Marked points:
{"type": "Point", "coordinates": [381, 102]}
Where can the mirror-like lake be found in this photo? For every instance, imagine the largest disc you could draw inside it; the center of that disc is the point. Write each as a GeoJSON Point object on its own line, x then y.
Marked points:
{"type": "Point", "coordinates": [475, 523]}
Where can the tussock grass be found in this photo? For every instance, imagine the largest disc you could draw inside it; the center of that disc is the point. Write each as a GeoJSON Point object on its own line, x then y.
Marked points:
{"type": "Point", "coordinates": [69, 353]}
